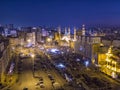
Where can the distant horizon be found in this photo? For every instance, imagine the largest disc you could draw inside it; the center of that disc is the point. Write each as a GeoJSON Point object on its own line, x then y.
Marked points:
{"type": "Point", "coordinates": [90, 25]}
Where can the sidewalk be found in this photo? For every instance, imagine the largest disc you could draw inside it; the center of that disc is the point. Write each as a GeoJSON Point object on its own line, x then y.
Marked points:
{"type": "Point", "coordinates": [10, 80]}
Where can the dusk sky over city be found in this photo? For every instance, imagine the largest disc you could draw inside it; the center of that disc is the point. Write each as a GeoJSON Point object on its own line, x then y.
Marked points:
{"type": "Point", "coordinates": [60, 12]}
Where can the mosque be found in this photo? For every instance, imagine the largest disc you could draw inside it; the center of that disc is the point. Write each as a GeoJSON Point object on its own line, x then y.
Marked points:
{"type": "Point", "coordinates": [68, 39]}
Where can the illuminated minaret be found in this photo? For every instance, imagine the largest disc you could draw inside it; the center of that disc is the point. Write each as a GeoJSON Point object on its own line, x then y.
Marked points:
{"type": "Point", "coordinates": [74, 34]}
{"type": "Point", "coordinates": [83, 30]}
{"type": "Point", "coordinates": [65, 31]}
{"type": "Point", "coordinates": [69, 33]}
{"type": "Point", "coordinates": [59, 31]}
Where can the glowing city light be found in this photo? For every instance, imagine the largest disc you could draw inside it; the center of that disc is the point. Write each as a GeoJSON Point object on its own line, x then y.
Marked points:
{"type": "Point", "coordinates": [32, 55]}
{"type": "Point", "coordinates": [114, 75]}
{"type": "Point", "coordinates": [29, 40]}
{"type": "Point", "coordinates": [86, 63]}
{"type": "Point", "coordinates": [54, 50]}
{"type": "Point", "coordinates": [48, 39]}
{"type": "Point", "coordinates": [60, 65]}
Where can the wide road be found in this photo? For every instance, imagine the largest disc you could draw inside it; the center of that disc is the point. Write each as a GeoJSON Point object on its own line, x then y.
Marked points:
{"type": "Point", "coordinates": [26, 79]}
{"type": "Point", "coordinates": [40, 72]}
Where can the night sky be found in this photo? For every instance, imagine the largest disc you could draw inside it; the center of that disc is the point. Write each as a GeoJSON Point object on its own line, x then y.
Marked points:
{"type": "Point", "coordinates": [59, 12]}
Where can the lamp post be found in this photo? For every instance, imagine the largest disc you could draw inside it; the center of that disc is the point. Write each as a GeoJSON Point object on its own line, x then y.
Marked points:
{"type": "Point", "coordinates": [33, 56]}
{"type": "Point", "coordinates": [49, 40]}
{"type": "Point", "coordinates": [21, 45]}
{"type": "Point", "coordinates": [28, 40]}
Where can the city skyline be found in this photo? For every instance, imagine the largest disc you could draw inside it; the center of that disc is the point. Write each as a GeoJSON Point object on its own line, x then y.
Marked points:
{"type": "Point", "coordinates": [60, 12]}
{"type": "Point", "coordinates": [59, 45]}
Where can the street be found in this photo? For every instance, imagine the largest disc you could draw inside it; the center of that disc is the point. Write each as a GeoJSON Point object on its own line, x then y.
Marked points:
{"type": "Point", "coordinates": [53, 69]}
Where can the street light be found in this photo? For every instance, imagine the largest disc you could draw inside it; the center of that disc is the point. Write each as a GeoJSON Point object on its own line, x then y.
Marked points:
{"type": "Point", "coordinates": [48, 39]}
{"type": "Point", "coordinates": [33, 56]}
{"type": "Point", "coordinates": [29, 40]}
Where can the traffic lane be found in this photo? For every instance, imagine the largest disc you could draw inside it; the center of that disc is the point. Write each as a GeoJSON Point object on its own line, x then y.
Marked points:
{"type": "Point", "coordinates": [45, 74]}
{"type": "Point", "coordinates": [26, 77]}
{"type": "Point", "coordinates": [40, 67]}
{"type": "Point", "coordinates": [56, 78]}
{"type": "Point", "coordinates": [53, 72]}
{"type": "Point", "coordinates": [47, 83]}
{"type": "Point", "coordinates": [41, 72]}
{"type": "Point", "coordinates": [57, 58]}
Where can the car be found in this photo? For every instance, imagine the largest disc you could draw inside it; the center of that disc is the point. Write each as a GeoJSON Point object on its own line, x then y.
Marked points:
{"type": "Point", "coordinates": [41, 82]}
{"type": "Point", "coordinates": [37, 84]}
{"type": "Point", "coordinates": [42, 85]}
{"type": "Point", "coordinates": [52, 81]}
{"type": "Point", "coordinates": [56, 85]}
{"type": "Point", "coordinates": [50, 77]}
{"type": "Point", "coordinates": [40, 78]}
{"type": "Point", "coordinates": [25, 88]}
{"type": "Point", "coordinates": [79, 84]}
